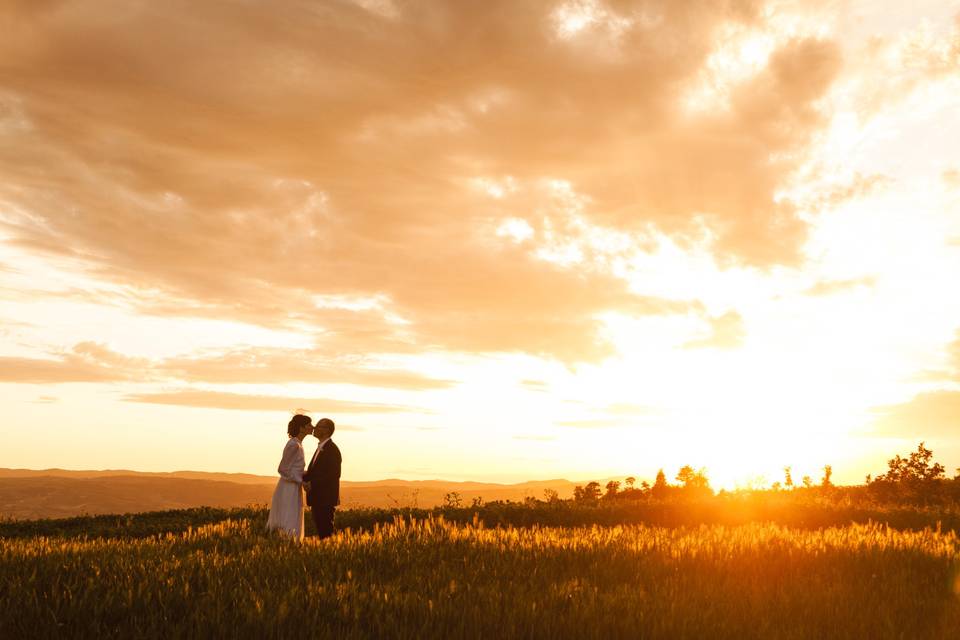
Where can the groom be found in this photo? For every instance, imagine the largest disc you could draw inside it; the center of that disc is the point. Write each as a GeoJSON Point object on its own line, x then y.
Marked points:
{"type": "Point", "coordinates": [322, 479]}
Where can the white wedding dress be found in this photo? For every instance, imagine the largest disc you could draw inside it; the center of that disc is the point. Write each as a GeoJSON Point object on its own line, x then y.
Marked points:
{"type": "Point", "coordinates": [286, 508]}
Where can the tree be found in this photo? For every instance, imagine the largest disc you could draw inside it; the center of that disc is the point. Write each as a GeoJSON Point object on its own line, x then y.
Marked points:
{"type": "Point", "coordinates": [453, 500]}
{"type": "Point", "coordinates": [660, 480]}
{"type": "Point", "coordinates": [588, 493]}
{"type": "Point", "coordinates": [630, 481]}
{"type": "Point", "coordinates": [807, 481]}
{"type": "Point", "coordinates": [827, 473]}
{"type": "Point", "coordinates": [915, 478]}
{"type": "Point", "coordinates": [787, 478]}
{"type": "Point", "coordinates": [660, 486]}
{"type": "Point", "coordinates": [612, 488]}
{"type": "Point", "coordinates": [591, 492]}
{"type": "Point", "coordinates": [915, 468]}
{"type": "Point", "coordinates": [551, 495]}
{"type": "Point", "coordinates": [693, 480]}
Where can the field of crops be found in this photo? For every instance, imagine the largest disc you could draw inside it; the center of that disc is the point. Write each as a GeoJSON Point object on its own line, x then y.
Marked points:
{"type": "Point", "coordinates": [435, 579]}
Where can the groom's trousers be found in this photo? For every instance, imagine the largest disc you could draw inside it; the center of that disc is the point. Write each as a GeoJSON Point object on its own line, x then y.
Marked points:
{"type": "Point", "coordinates": [323, 519]}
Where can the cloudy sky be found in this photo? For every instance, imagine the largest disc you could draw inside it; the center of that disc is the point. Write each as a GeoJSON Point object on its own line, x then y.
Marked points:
{"type": "Point", "coordinates": [500, 240]}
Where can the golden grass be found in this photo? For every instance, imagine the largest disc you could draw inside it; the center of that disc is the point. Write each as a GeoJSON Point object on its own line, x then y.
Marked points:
{"type": "Point", "coordinates": [432, 578]}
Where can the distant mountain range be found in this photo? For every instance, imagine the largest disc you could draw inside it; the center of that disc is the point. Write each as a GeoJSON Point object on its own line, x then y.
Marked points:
{"type": "Point", "coordinates": [60, 493]}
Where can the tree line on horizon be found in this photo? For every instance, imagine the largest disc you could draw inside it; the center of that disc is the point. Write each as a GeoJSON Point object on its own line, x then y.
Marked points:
{"type": "Point", "coordinates": [914, 479]}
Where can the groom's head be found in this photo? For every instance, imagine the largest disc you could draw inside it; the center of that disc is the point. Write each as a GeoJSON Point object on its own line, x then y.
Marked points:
{"type": "Point", "coordinates": [323, 429]}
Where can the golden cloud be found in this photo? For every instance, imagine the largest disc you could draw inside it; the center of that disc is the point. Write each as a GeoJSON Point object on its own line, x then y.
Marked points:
{"type": "Point", "coordinates": [934, 414]}
{"type": "Point", "coordinates": [246, 158]}
{"type": "Point", "coordinates": [41, 371]}
{"type": "Point", "coordinates": [93, 362]}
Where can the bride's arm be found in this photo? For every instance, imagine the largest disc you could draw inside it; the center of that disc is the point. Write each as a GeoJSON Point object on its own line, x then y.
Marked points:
{"type": "Point", "coordinates": [291, 464]}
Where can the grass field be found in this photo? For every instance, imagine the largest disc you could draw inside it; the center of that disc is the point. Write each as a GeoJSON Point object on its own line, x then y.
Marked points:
{"type": "Point", "coordinates": [437, 579]}
{"type": "Point", "coordinates": [784, 508]}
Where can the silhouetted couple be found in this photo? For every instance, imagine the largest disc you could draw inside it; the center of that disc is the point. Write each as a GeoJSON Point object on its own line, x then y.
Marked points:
{"type": "Point", "coordinates": [320, 480]}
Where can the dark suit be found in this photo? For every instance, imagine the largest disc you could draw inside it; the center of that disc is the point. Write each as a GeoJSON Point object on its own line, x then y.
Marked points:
{"type": "Point", "coordinates": [324, 495]}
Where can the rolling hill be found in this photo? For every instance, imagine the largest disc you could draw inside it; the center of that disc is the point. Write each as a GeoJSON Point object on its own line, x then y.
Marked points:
{"type": "Point", "coordinates": [58, 493]}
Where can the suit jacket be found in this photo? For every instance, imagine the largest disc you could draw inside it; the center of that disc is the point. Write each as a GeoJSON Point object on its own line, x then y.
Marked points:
{"type": "Point", "coordinates": [324, 476]}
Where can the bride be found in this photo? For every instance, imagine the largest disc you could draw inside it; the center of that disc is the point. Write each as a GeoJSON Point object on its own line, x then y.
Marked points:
{"type": "Point", "coordinates": [286, 508]}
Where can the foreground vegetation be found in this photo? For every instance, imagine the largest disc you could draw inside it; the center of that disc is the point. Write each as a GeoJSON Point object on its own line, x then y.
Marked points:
{"type": "Point", "coordinates": [795, 510]}
{"type": "Point", "coordinates": [431, 578]}
{"type": "Point", "coordinates": [664, 561]}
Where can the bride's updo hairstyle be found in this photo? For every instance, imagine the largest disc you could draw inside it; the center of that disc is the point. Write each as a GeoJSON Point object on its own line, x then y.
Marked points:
{"type": "Point", "coordinates": [296, 423]}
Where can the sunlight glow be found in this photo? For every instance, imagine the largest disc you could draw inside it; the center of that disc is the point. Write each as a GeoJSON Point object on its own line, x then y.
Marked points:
{"type": "Point", "coordinates": [589, 240]}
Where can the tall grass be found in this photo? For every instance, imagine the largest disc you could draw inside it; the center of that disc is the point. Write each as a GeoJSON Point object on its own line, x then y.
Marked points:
{"type": "Point", "coordinates": [432, 578]}
{"type": "Point", "coordinates": [729, 510]}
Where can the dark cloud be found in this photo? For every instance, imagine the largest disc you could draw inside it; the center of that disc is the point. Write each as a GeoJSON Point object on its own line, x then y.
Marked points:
{"type": "Point", "coordinates": [242, 157]}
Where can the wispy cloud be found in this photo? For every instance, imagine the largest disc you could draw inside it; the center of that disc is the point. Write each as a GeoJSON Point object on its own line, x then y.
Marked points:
{"type": "Point", "coordinates": [726, 332]}
{"type": "Point", "coordinates": [933, 414]}
{"type": "Point", "coordinates": [620, 414]}
{"type": "Point", "coordinates": [41, 371]}
{"type": "Point", "coordinates": [535, 438]}
{"type": "Point", "coordinates": [225, 400]}
{"type": "Point", "coordinates": [591, 423]}
{"type": "Point", "coordinates": [631, 409]}
{"type": "Point", "coordinates": [829, 287]}
{"type": "Point", "coordinates": [951, 177]}
{"type": "Point", "coordinates": [535, 385]}
{"type": "Point", "coordinates": [291, 365]}
{"type": "Point", "coordinates": [94, 362]}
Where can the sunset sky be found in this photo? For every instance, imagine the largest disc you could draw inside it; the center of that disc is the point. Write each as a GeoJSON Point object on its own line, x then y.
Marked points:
{"type": "Point", "coordinates": [498, 240]}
